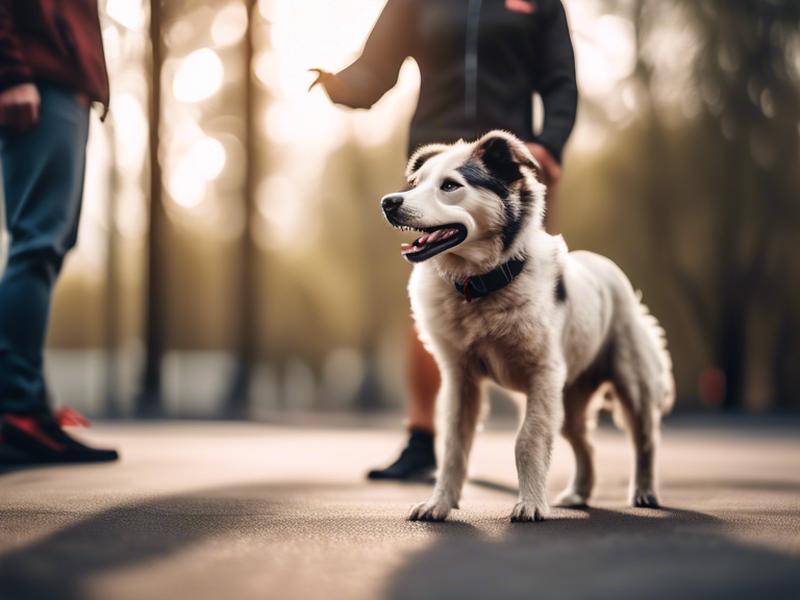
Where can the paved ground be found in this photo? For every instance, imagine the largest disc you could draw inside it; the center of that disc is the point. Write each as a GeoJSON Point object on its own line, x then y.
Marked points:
{"type": "Point", "coordinates": [210, 511]}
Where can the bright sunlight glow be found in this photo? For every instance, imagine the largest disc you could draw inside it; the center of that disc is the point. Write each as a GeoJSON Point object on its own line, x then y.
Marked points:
{"type": "Point", "coordinates": [127, 13]}
{"type": "Point", "coordinates": [199, 76]}
{"type": "Point", "coordinates": [229, 25]}
{"type": "Point", "coordinates": [203, 163]}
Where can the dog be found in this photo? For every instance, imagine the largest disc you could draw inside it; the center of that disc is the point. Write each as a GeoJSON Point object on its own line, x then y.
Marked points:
{"type": "Point", "coordinates": [496, 298]}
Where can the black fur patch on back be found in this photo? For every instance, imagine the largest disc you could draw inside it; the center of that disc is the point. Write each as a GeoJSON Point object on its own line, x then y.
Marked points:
{"type": "Point", "coordinates": [477, 176]}
{"type": "Point", "coordinates": [561, 289]}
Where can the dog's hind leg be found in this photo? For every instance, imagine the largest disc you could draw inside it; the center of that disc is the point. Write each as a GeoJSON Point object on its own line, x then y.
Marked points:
{"type": "Point", "coordinates": [574, 430]}
{"type": "Point", "coordinates": [534, 445]}
{"type": "Point", "coordinates": [638, 398]}
{"type": "Point", "coordinates": [460, 396]}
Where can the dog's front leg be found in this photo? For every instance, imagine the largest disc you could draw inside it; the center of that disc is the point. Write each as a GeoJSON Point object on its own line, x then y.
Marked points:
{"type": "Point", "coordinates": [459, 397]}
{"type": "Point", "coordinates": [542, 418]}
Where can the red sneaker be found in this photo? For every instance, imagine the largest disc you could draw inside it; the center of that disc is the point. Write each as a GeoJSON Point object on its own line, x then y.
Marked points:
{"type": "Point", "coordinates": [40, 438]}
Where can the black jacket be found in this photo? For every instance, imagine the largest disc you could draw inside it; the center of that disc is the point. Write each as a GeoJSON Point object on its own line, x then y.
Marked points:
{"type": "Point", "coordinates": [480, 61]}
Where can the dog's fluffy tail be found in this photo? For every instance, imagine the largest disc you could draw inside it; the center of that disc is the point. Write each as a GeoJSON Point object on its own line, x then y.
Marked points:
{"type": "Point", "coordinates": [658, 341]}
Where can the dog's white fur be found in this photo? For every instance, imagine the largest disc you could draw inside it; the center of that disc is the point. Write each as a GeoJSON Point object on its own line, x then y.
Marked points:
{"type": "Point", "coordinates": [555, 351]}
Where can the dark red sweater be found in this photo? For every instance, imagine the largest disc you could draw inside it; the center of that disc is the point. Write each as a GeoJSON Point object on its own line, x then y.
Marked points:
{"type": "Point", "coordinates": [53, 41]}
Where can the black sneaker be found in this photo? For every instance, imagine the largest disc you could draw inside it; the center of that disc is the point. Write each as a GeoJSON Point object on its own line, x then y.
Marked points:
{"type": "Point", "coordinates": [417, 461]}
{"type": "Point", "coordinates": [40, 438]}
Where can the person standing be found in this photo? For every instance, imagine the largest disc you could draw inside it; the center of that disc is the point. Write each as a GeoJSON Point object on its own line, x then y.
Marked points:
{"type": "Point", "coordinates": [481, 62]}
{"type": "Point", "coordinates": [52, 68]}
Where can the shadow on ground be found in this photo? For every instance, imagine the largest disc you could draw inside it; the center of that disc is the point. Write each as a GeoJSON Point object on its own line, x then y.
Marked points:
{"type": "Point", "coordinates": [59, 566]}
{"type": "Point", "coordinates": [591, 553]}
{"type": "Point", "coordinates": [595, 553]}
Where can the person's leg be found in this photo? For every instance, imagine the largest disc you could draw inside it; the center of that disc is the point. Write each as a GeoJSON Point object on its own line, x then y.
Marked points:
{"type": "Point", "coordinates": [418, 459]}
{"type": "Point", "coordinates": [43, 183]}
{"type": "Point", "coordinates": [424, 380]}
{"type": "Point", "coordinates": [43, 172]}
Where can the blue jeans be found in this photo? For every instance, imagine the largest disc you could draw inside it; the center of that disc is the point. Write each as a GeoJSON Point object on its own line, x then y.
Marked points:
{"type": "Point", "coordinates": [43, 170]}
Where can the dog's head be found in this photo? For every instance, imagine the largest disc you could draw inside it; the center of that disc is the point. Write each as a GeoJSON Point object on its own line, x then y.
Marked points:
{"type": "Point", "coordinates": [471, 201]}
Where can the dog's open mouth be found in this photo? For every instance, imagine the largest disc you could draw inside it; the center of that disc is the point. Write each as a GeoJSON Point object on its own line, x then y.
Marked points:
{"type": "Point", "coordinates": [433, 241]}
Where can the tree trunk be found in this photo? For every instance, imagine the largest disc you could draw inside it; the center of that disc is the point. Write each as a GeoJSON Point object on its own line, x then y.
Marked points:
{"type": "Point", "coordinates": [149, 401]}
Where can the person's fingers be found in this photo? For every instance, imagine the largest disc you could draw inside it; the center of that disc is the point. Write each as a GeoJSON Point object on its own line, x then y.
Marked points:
{"type": "Point", "coordinates": [36, 108]}
{"type": "Point", "coordinates": [14, 116]}
{"type": "Point", "coordinates": [23, 117]}
{"type": "Point", "coordinates": [551, 168]}
{"type": "Point", "coordinates": [320, 75]}
{"type": "Point", "coordinates": [555, 173]}
{"type": "Point", "coordinates": [546, 167]}
{"type": "Point", "coordinates": [11, 113]}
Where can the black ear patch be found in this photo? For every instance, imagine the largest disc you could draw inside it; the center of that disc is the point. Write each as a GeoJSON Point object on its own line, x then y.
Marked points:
{"type": "Point", "coordinates": [498, 158]}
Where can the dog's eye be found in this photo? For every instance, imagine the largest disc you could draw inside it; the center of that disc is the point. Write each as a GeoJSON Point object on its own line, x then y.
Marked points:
{"type": "Point", "coordinates": [450, 185]}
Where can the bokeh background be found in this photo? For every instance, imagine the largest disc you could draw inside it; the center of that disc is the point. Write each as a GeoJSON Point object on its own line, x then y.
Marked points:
{"type": "Point", "coordinates": [232, 259]}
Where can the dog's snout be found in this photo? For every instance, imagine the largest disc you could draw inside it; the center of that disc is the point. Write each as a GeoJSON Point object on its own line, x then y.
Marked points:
{"type": "Point", "coordinates": [391, 203]}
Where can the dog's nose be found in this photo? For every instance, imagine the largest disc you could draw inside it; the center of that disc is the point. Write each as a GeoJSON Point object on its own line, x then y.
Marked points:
{"type": "Point", "coordinates": [391, 203]}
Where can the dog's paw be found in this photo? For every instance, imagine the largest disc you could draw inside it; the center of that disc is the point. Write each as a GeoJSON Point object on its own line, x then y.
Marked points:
{"type": "Point", "coordinates": [645, 499]}
{"type": "Point", "coordinates": [525, 512]}
{"type": "Point", "coordinates": [569, 498]}
{"type": "Point", "coordinates": [430, 511]}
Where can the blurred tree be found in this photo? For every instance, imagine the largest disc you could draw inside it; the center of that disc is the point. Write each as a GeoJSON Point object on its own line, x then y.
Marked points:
{"type": "Point", "coordinates": [149, 400]}
{"type": "Point", "coordinates": [734, 170]}
{"type": "Point", "coordinates": [237, 400]}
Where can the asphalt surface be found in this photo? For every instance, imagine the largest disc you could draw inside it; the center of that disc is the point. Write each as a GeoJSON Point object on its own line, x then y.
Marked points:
{"type": "Point", "coordinates": [234, 511]}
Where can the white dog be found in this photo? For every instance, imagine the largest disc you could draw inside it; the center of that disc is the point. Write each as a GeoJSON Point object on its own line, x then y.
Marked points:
{"type": "Point", "coordinates": [497, 298]}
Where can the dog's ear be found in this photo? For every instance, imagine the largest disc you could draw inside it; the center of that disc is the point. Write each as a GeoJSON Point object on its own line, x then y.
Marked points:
{"type": "Point", "coordinates": [504, 156]}
{"type": "Point", "coordinates": [421, 156]}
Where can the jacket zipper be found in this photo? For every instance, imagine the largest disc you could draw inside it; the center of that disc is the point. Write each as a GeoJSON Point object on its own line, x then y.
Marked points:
{"type": "Point", "coordinates": [471, 59]}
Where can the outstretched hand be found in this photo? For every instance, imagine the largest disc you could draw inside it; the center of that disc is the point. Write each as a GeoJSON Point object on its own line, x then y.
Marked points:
{"type": "Point", "coordinates": [19, 106]}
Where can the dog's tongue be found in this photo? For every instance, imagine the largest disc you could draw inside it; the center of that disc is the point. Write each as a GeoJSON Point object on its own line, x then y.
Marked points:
{"type": "Point", "coordinates": [417, 245]}
{"type": "Point", "coordinates": [425, 239]}
{"type": "Point", "coordinates": [410, 248]}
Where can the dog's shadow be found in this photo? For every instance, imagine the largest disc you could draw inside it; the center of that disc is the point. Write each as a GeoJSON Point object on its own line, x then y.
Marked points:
{"type": "Point", "coordinates": [594, 553]}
